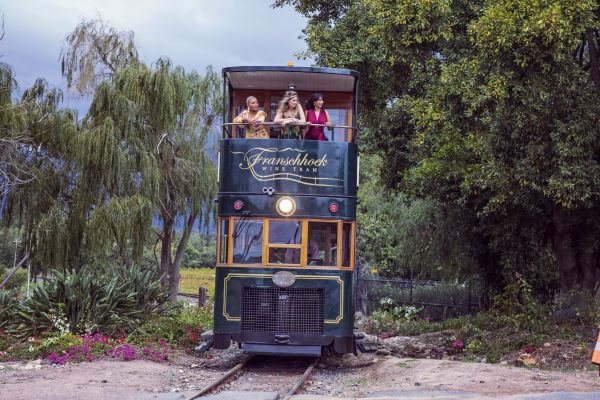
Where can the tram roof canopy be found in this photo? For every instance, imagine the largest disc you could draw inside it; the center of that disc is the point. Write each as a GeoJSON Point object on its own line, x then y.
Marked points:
{"type": "Point", "coordinates": [308, 79]}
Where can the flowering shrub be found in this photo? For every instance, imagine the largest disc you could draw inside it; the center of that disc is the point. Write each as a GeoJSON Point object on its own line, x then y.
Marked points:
{"type": "Point", "coordinates": [384, 321]}
{"type": "Point", "coordinates": [97, 346]}
{"type": "Point", "coordinates": [124, 352]}
{"type": "Point", "coordinates": [457, 344]}
{"type": "Point", "coordinates": [157, 351]}
{"type": "Point", "coordinates": [182, 326]}
{"type": "Point", "coordinates": [528, 349]}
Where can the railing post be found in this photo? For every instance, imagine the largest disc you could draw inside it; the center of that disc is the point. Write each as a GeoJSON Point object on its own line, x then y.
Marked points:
{"type": "Point", "coordinates": [201, 297]}
{"type": "Point", "coordinates": [411, 286]}
{"type": "Point", "coordinates": [469, 297]}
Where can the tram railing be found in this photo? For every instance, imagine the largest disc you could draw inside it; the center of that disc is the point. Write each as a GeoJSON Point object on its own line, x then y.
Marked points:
{"type": "Point", "coordinates": [232, 130]}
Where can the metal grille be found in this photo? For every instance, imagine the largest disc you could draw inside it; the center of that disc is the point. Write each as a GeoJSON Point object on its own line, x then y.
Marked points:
{"type": "Point", "coordinates": [283, 311]}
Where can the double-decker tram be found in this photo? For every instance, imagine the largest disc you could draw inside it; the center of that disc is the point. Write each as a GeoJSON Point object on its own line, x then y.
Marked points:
{"type": "Point", "coordinates": [285, 272]}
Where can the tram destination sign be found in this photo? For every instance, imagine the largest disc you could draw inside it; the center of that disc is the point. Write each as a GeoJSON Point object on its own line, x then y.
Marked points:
{"type": "Point", "coordinates": [288, 166]}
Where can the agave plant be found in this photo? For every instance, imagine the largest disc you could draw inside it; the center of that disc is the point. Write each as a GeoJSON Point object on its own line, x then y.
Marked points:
{"type": "Point", "coordinates": [89, 300]}
{"type": "Point", "coordinates": [7, 306]}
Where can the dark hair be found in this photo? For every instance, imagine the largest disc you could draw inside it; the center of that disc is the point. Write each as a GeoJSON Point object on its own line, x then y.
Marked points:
{"type": "Point", "coordinates": [310, 104]}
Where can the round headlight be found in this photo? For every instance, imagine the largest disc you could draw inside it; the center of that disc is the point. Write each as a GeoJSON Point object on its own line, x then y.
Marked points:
{"type": "Point", "coordinates": [286, 206]}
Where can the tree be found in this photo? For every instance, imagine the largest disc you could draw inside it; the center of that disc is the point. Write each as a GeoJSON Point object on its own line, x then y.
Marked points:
{"type": "Point", "coordinates": [94, 52]}
{"type": "Point", "coordinates": [145, 152]}
{"type": "Point", "coordinates": [491, 110]}
{"type": "Point", "coordinates": [406, 237]}
{"type": "Point", "coordinates": [144, 145]}
{"type": "Point", "coordinates": [138, 152]}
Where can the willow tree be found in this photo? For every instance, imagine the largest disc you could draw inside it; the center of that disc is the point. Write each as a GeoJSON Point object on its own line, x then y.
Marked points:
{"type": "Point", "coordinates": [94, 52]}
{"type": "Point", "coordinates": [138, 153]}
{"type": "Point", "coordinates": [37, 177]}
{"type": "Point", "coordinates": [142, 151]}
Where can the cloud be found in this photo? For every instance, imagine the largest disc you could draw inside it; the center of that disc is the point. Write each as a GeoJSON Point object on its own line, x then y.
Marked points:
{"type": "Point", "coordinates": [192, 33]}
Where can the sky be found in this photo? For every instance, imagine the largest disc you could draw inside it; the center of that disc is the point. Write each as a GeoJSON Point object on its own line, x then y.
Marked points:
{"type": "Point", "coordinates": [192, 33]}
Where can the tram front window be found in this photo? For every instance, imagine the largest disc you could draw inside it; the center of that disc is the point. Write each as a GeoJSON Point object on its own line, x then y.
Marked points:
{"type": "Point", "coordinates": [323, 237]}
{"type": "Point", "coordinates": [285, 241]}
{"type": "Point", "coordinates": [247, 241]}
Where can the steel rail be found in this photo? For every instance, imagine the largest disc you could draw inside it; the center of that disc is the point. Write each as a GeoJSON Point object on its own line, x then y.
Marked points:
{"type": "Point", "coordinates": [302, 379]}
{"type": "Point", "coordinates": [214, 384]}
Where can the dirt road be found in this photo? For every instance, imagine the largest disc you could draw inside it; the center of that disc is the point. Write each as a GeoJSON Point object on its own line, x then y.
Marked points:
{"type": "Point", "coordinates": [348, 377]}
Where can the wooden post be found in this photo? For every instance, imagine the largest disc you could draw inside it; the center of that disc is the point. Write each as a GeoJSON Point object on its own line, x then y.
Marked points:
{"type": "Point", "coordinates": [202, 294]}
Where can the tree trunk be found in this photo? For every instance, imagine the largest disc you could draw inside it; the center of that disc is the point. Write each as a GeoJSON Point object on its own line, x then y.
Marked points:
{"type": "Point", "coordinates": [579, 268]}
{"type": "Point", "coordinates": [176, 264]}
{"type": "Point", "coordinates": [166, 241]}
{"type": "Point", "coordinates": [594, 66]}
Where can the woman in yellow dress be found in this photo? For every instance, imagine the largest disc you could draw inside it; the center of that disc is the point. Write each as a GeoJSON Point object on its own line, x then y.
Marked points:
{"type": "Point", "coordinates": [253, 117]}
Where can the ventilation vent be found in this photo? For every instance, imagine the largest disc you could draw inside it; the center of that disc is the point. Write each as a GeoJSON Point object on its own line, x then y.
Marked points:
{"type": "Point", "coordinates": [282, 311]}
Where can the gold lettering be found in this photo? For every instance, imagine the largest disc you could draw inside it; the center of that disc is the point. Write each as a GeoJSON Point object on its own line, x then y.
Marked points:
{"type": "Point", "coordinates": [275, 160]}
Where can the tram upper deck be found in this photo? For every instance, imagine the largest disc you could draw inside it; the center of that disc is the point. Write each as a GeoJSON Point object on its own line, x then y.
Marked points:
{"type": "Point", "coordinates": [339, 88]}
{"type": "Point", "coordinates": [320, 170]}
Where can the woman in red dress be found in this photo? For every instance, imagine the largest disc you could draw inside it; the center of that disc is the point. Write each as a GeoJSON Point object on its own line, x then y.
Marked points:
{"type": "Point", "coordinates": [316, 114]}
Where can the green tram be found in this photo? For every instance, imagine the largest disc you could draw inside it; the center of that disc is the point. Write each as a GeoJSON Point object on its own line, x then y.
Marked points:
{"type": "Point", "coordinates": [285, 273]}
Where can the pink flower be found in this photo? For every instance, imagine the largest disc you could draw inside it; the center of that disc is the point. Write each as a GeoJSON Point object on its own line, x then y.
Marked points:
{"type": "Point", "coordinates": [528, 349]}
{"type": "Point", "coordinates": [458, 344]}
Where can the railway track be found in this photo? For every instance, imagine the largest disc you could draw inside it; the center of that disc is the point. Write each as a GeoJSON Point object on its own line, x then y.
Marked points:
{"type": "Point", "coordinates": [237, 371]}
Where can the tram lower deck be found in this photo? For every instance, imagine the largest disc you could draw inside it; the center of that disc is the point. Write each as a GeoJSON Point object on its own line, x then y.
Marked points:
{"type": "Point", "coordinates": [285, 274]}
{"type": "Point", "coordinates": [259, 310]}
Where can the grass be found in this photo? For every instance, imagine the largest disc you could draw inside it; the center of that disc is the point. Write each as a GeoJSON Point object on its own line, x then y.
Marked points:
{"type": "Point", "coordinates": [193, 278]}
{"type": "Point", "coordinates": [403, 365]}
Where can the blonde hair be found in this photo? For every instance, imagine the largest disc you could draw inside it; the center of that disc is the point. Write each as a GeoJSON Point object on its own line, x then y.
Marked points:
{"type": "Point", "coordinates": [283, 103]}
{"type": "Point", "coordinates": [249, 99]}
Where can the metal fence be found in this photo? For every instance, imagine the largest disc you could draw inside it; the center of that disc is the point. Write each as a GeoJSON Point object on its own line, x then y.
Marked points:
{"type": "Point", "coordinates": [438, 300]}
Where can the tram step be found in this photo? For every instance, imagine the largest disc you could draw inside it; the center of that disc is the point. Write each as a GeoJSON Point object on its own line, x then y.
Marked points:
{"type": "Point", "coordinates": [281, 349]}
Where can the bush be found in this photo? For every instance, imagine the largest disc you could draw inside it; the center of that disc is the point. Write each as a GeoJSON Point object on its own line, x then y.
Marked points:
{"type": "Point", "coordinates": [111, 302]}
{"type": "Point", "coordinates": [57, 343]}
{"type": "Point", "coordinates": [181, 326]}
{"type": "Point", "coordinates": [16, 281]}
{"type": "Point", "coordinates": [385, 319]}
{"type": "Point", "coordinates": [517, 321]}
{"type": "Point", "coordinates": [7, 307]}
{"type": "Point", "coordinates": [453, 296]}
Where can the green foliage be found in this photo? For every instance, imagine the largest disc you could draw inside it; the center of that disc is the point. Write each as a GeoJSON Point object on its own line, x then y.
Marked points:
{"type": "Point", "coordinates": [98, 181]}
{"type": "Point", "coordinates": [16, 281]}
{"type": "Point", "coordinates": [7, 248]}
{"type": "Point", "coordinates": [93, 51]}
{"type": "Point", "coordinates": [57, 343]}
{"type": "Point", "coordinates": [200, 251]}
{"type": "Point", "coordinates": [111, 302]}
{"type": "Point", "coordinates": [487, 111]}
{"type": "Point", "coordinates": [386, 318]}
{"type": "Point", "coordinates": [397, 234]}
{"type": "Point", "coordinates": [517, 321]}
{"type": "Point", "coordinates": [7, 307]}
{"type": "Point", "coordinates": [182, 325]}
